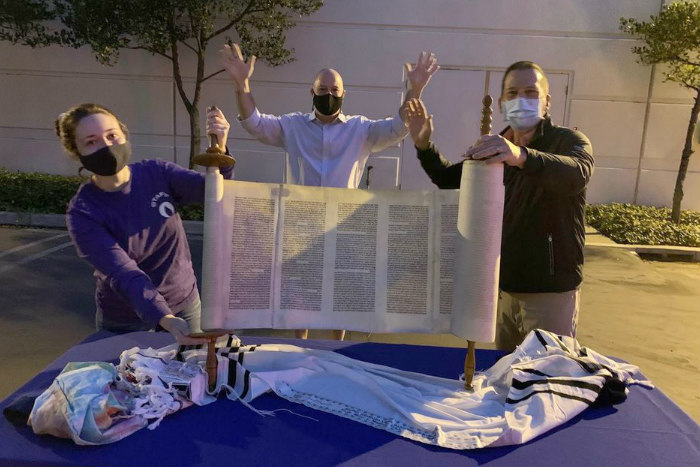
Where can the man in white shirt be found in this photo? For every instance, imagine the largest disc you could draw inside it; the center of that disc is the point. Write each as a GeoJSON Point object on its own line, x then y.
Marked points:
{"type": "Point", "coordinates": [325, 147]}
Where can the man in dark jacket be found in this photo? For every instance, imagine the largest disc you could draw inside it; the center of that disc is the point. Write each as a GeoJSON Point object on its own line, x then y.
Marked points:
{"type": "Point", "coordinates": [547, 168]}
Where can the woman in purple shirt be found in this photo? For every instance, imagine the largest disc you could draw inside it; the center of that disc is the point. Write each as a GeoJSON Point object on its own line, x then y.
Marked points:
{"type": "Point", "coordinates": [123, 221]}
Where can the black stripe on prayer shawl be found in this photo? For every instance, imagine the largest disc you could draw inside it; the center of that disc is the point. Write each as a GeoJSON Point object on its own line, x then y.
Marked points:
{"type": "Point", "coordinates": [556, 393]}
{"type": "Point", "coordinates": [186, 348]}
{"type": "Point", "coordinates": [540, 338]}
{"type": "Point", "coordinates": [517, 384]}
{"type": "Point", "coordinates": [560, 341]}
{"type": "Point", "coordinates": [229, 341]}
{"type": "Point", "coordinates": [232, 373]}
{"type": "Point", "coordinates": [226, 351]}
{"type": "Point", "coordinates": [160, 359]}
{"type": "Point", "coordinates": [240, 357]}
{"type": "Point", "coordinates": [555, 340]}
{"type": "Point", "coordinates": [246, 384]}
{"type": "Point", "coordinates": [534, 372]}
{"type": "Point", "coordinates": [178, 355]}
{"type": "Point", "coordinates": [591, 367]}
{"type": "Point", "coordinates": [182, 389]}
{"type": "Point", "coordinates": [612, 372]}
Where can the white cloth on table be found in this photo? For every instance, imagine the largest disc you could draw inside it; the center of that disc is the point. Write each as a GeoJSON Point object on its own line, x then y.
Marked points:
{"type": "Point", "coordinates": [545, 382]}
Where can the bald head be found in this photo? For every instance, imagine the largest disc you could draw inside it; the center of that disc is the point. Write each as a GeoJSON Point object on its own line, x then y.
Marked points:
{"type": "Point", "coordinates": [327, 81]}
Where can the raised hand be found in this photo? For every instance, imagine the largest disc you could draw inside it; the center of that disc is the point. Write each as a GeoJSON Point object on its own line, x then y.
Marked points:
{"type": "Point", "coordinates": [419, 74]}
{"type": "Point", "coordinates": [217, 125]}
{"type": "Point", "coordinates": [420, 124]}
{"type": "Point", "coordinates": [233, 62]}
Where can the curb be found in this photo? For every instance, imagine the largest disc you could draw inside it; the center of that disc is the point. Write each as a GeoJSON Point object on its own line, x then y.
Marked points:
{"type": "Point", "coordinates": [58, 221]}
{"type": "Point", "coordinates": [662, 252]}
{"type": "Point", "coordinates": [29, 219]}
{"type": "Point", "coordinates": [658, 252]}
{"type": "Point", "coordinates": [655, 252]}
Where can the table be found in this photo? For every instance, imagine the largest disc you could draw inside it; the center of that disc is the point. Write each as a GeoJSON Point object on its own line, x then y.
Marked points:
{"type": "Point", "coordinates": [646, 430]}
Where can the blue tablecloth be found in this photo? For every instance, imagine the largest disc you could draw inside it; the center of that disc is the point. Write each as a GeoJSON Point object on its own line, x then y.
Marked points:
{"type": "Point", "coordinates": [646, 430]}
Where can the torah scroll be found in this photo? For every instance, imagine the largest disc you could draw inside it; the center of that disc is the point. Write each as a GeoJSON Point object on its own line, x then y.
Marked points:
{"type": "Point", "coordinates": [292, 257]}
{"type": "Point", "coordinates": [478, 244]}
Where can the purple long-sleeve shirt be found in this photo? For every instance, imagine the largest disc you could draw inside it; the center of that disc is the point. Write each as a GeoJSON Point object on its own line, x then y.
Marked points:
{"type": "Point", "coordinates": [135, 240]}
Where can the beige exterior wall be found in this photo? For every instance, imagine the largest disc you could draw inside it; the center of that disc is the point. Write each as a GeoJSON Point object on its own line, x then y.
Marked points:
{"type": "Point", "coordinates": [635, 121]}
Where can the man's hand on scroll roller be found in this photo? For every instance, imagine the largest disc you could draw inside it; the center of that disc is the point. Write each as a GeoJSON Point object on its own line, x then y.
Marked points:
{"type": "Point", "coordinates": [494, 149]}
{"type": "Point", "coordinates": [179, 328]}
{"type": "Point", "coordinates": [420, 124]}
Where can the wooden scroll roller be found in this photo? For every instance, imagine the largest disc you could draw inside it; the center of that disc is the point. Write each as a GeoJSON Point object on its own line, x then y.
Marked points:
{"type": "Point", "coordinates": [212, 159]}
{"type": "Point", "coordinates": [486, 112]}
{"type": "Point", "coordinates": [214, 155]}
{"type": "Point", "coordinates": [470, 360]}
{"type": "Point", "coordinates": [212, 364]}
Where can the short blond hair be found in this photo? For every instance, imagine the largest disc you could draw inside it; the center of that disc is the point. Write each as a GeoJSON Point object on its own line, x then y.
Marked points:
{"type": "Point", "coordinates": [526, 65]}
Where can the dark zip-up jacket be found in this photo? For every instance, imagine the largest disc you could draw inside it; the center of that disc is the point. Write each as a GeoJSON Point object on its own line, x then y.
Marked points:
{"type": "Point", "coordinates": [543, 215]}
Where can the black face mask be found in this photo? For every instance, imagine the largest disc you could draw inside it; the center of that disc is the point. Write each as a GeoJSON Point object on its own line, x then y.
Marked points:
{"type": "Point", "coordinates": [327, 104]}
{"type": "Point", "coordinates": [108, 160]}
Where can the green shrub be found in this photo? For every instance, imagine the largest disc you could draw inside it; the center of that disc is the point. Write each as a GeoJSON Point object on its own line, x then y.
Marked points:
{"type": "Point", "coordinates": [192, 212]}
{"type": "Point", "coordinates": [623, 223]}
{"type": "Point", "coordinates": [36, 192]}
{"type": "Point", "coordinates": [644, 225]}
{"type": "Point", "coordinates": [50, 194]}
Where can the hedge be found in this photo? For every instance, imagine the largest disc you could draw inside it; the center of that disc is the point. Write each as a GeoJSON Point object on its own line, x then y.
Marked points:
{"type": "Point", "coordinates": [644, 225]}
{"type": "Point", "coordinates": [36, 192]}
{"type": "Point", "coordinates": [50, 194]}
{"type": "Point", "coordinates": [623, 223]}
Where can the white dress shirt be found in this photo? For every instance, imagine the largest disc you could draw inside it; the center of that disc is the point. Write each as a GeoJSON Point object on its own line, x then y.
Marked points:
{"type": "Point", "coordinates": [331, 154]}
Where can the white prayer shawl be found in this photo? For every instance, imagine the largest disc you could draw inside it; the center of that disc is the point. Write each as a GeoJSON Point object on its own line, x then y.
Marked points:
{"type": "Point", "coordinates": [546, 381]}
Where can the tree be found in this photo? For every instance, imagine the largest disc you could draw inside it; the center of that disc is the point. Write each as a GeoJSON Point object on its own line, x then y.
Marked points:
{"type": "Point", "coordinates": [167, 28]}
{"type": "Point", "coordinates": [24, 22]}
{"type": "Point", "coordinates": [673, 38]}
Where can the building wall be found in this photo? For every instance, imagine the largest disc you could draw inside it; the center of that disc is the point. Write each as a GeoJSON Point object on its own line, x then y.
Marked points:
{"type": "Point", "coordinates": [636, 122]}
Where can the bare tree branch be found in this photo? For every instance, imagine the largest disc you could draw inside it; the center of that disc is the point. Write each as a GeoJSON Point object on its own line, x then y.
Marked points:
{"type": "Point", "coordinates": [246, 11]}
{"type": "Point", "coordinates": [213, 74]}
{"type": "Point", "coordinates": [153, 51]}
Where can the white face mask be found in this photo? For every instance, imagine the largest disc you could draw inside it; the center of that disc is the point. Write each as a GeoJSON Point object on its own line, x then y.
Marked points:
{"type": "Point", "coordinates": [522, 113]}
